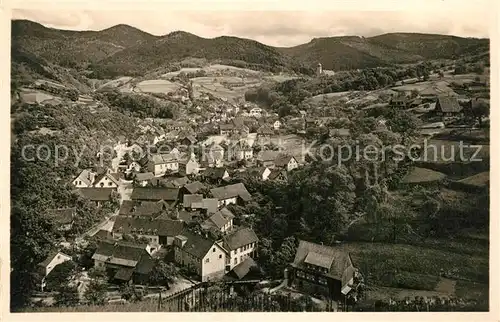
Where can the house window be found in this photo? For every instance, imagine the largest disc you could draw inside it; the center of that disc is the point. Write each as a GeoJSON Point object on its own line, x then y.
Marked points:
{"type": "Point", "coordinates": [241, 258]}
{"type": "Point", "coordinates": [322, 280]}
{"type": "Point", "coordinates": [213, 250]}
{"type": "Point", "coordinates": [300, 274]}
{"type": "Point", "coordinates": [220, 256]}
{"type": "Point", "coordinates": [110, 183]}
{"type": "Point", "coordinates": [207, 260]}
{"type": "Point", "coordinates": [235, 260]}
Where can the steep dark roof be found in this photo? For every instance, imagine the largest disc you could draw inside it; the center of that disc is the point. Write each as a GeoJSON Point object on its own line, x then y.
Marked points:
{"type": "Point", "coordinates": [337, 261]}
{"type": "Point", "coordinates": [50, 257]}
{"type": "Point", "coordinates": [144, 176]}
{"type": "Point", "coordinates": [448, 104]}
{"type": "Point", "coordinates": [110, 177]}
{"type": "Point", "coordinates": [216, 220]}
{"type": "Point", "coordinates": [196, 244]}
{"type": "Point", "coordinates": [194, 187]}
{"type": "Point", "coordinates": [63, 215]}
{"type": "Point", "coordinates": [242, 269]}
{"type": "Point", "coordinates": [277, 172]}
{"type": "Point", "coordinates": [168, 194]}
{"type": "Point", "coordinates": [282, 160]}
{"type": "Point", "coordinates": [226, 213]}
{"type": "Point", "coordinates": [265, 130]}
{"type": "Point", "coordinates": [124, 273]}
{"type": "Point", "coordinates": [147, 226]}
{"type": "Point", "coordinates": [188, 200]}
{"type": "Point", "coordinates": [210, 204]}
{"type": "Point", "coordinates": [240, 238]}
{"type": "Point", "coordinates": [142, 208]}
{"type": "Point", "coordinates": [96, 194]}
{"type": "Point", "coordinates": [267, 155]}
{"type": "Point", "coordinates": [123, 253]}
{"type": "Point", "coordinates": [231, 191]}
{"type": "Point", "coordinates": [215, 173]}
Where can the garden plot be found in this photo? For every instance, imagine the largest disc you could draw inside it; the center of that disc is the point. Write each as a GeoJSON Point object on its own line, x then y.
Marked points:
{"type": "Point", "coordinates": [48, 83]}
{"type": "Point", "coordinates": [157, 86]}
{"type": "Point", "coordinates": [228, 87]}
{"type": "Point", "coordinates": [37, 97]}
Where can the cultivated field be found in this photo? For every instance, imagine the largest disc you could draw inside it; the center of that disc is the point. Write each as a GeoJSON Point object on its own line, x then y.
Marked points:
{"type": "Point", "coordinates": [157, 86]}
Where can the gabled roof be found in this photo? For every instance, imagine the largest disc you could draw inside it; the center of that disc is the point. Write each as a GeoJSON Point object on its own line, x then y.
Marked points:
{"type": "Point", "coordinates": [210, 204]}
{"type": "Point", "coordinates": [147, 226]}
{"type": "Point", "coordinates": [163, 158]}
{"type": "Point", "coordinates": [144, 176]}
{"type": "Point", "coordinates": [231, 191]}
{"type": "Point", "coordinates": [96, 194]}
{"type": "Point", "coordinates": [188, 200]}
{"type": "Point", "coordinates": [337, 261]}
{"type": "Point", "coordinates": [50, 257]}
{"type": "Point", "coordinates": [141, 208]}
{"type": "Point", "coordinates": [283, 159]}
{"type": "Point", "coordinates": [63, 215]}
{"type": "Point", "coordinates": [109, 176]}
{"type": "Point", "coordinates": [448, 104]}
{"type": "Point", "coordinates": [120, 252]}
{"type": "Point", "coordinates": [242, 269]}
{"type": "Point", "coordinates": [226, 213]}
{"type": "Point", "coordinates": [216, 220]}
{"type": "Point", "coordinates": [215, 173]}
{"type": "Point", "coordinates": [240, 238]}
{"type": "Point", "coordinates": [267, 155]}
{"type": "Point", "coordinates": [144, 193]}
{"type": "Point", "coordinates": [265, 130]}
{"type": "Point", "coordinates": [275, 173]}
{"type": "Point", "coordinates": [196, 244]}
{"type": "Point", "coordinates": [86, 176]}
{"type": "Point", "coordinates": [194, 187]}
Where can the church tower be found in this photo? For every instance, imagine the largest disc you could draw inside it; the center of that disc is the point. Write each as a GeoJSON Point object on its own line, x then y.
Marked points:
{"type": "Point", "coordinates": [319, 70]}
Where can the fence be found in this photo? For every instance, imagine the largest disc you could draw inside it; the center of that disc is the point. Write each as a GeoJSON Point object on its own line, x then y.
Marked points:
{"type": "Point", "coordinates": [204, 297]}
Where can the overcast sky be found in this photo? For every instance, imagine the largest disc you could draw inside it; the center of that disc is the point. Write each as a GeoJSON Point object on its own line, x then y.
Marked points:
{"type": "Point", "coordinates": [275, 27]}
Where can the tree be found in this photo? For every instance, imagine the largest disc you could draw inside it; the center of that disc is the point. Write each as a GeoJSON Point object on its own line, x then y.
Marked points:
{"type": "Point", "coordinates": [67, 296]}
{"type": "Point", "coordinates": [61, 275]}
{"type": "Point", "coordinates": [163, 273]}
{"type": "Point", "coordinates": [130, 293]}
{"type": "Point", "coordinates": [479, 110]}
{"type": "Point", "coordinates": [96, 292]}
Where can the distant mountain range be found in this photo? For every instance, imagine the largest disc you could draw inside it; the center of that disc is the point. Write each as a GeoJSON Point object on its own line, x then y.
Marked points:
{"type": "Point", "coordinates": [122, 49]}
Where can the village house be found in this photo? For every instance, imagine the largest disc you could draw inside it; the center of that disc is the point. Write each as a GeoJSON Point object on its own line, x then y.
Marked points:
{"type": "Point", "coordinates": [189, 166]}
{"type": "Point", "coordinates": [142, 179]}
{"type": "Point", "coordinates": [160, 164]}
{"type": "Point", "coordinates": [261, 173]}
{"type": "Point", "coordinates": [278, 174]}
{"type": "Point", "coordinates": [158, 232]}
{"type": "Point", "coordinates": [189, 199]}
{"type": "Point", "coordinates": [241, 150]}
{"type": "Point", "coordinates": [265, 131]}
{"type": "Point", "coordinates": [231, 194]}
{"type": "Point", "coordinates": [207, 206]}
{"type": "Point", "coordinates": [255, 112]}
{"type": "Point", "coordinates": [212, 156]}
{"type": "Point", "coordinates": [84, 180]}
{"type": "Point", "coordinates": [192, 188]}
{"type": "Point", "coordinates": [169, 195]}
{"type": "Point", "coordinates": [64, 217]}
{"type": "Point", "coordinates": [235, 126]}
{"type": "Point", "coordinates": [201, 254]}
{"type": "Point", "coordinates": [286, 161]}
{"type": "Point", "coordinates": [277, 125]}
{"type": "Point", "coordinates": [138, 208]}
{"type": "Point", "coordinates": [248, 269]}
{"type": "Point", "coordinates": [399, 102]}
{"type": "Point", "coordinates": [216, 175]}
{"type": "Point", "coordinates": [51, 261]}
{"type": "Point", "coordinates": [239, 245]}
{"type": "Point", "coordinates": [107, 180]}
{"type": "Point", "coordinates": [186, 140]}
{"type": "Point", "coordinates": [321, 269]}
{"type": "Point", "coordinates": [447, 106]}
{"type": "Point", "coordinates": [124, 261]}
{"type": "Point", "coordinates": [265, 158]}
{"type": "Point", "coordinates": [97, 195]}
{"type": "Point", "coordinates": [222, 221]}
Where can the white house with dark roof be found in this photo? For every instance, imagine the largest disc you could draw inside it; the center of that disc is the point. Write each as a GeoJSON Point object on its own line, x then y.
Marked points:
{"type": "Point", "coordinates": [160, 164]}
{"type": "Point", "coordinates": [51, 261]}
{"type": "Point", "coordinates": [322, 269]}
{"type": "Point", "coordinates": [205, 256]}
{"type": "Point", "coordinates": [84, 180]}
{"type": "Point", "coordinates": [231, 194]}
{"type": "Point", "coordinates": [222, 221]}
{"type": "Point", "coordinates": [239, 245]}
{"type": "Point", "coordinates": [106, 180]}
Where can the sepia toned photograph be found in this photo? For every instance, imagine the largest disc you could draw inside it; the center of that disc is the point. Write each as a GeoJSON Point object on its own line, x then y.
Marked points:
{"type": "Point", "coordinates": [250, 161]}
